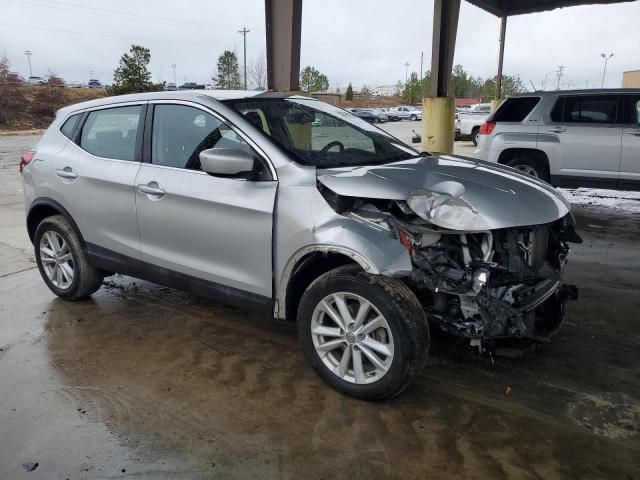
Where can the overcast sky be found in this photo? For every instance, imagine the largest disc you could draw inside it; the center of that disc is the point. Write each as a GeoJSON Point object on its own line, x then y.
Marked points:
{"type": "Point", "coordinates": [362, 41]}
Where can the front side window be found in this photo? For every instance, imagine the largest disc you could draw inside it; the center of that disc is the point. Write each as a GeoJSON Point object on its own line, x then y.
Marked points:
{"type": "Point", "coordinates": [631, 109]}
{"type": "Point", "coordinates": [318, 134]}
{"type": "Point", "coordinates": [181, 132]}
{"type": "Point", "coordinates": [112, 132]}
{"type": "Point", "coordinates": [586, 109]}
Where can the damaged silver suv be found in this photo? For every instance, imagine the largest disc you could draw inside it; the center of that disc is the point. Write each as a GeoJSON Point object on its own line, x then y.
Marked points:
{"type": "Point", "coordinates": [293, 207]}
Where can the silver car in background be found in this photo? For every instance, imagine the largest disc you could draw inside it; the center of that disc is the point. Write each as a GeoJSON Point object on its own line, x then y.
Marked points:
{"type": "Point", "coordinates": [579, 138]}
{"type": "Point", "coordinates": [300, 210]}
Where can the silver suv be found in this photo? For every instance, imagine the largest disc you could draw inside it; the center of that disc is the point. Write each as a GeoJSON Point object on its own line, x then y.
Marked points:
{"type": "Point", "coordinates": [581, 138]}
{"type": "Point", "coordinates": [301, 210]}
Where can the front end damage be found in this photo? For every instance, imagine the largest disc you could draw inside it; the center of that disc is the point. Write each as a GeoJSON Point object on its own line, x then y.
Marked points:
{"type": "Point", "coordinates": [477, 282]}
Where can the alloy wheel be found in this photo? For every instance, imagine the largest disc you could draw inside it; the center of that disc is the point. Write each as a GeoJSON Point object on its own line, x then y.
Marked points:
{"type": "Point", "coordinates": [56, 259]}
{"type": "Point", "coordinates": [352, 338]}
{"type": "Point", "coordinates": [528, 169]}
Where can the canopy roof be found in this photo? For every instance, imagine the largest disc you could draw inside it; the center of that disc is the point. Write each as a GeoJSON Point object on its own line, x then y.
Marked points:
{"type": "Point", "coordinates": [518, 7]}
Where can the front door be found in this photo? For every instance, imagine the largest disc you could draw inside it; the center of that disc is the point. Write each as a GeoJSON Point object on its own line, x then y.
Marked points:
{"type": "Point", "coordinates": [202, 227]}
{"type": "Point", "coordinates": [630, 160]}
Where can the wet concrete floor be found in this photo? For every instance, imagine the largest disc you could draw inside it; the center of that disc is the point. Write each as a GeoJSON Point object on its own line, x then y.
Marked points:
{"type": "Point", "coordinates": [146, 382]}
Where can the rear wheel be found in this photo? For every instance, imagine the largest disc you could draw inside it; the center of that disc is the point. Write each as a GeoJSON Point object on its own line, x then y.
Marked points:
{"type": "Point", "coordinates": [62, 261]}
{"type": "Point", "coordinates": [530, 166]}
{"type": "Point", "coordinates": [475, 136]}
{"type": "Point", "coordinates": [365, 335]}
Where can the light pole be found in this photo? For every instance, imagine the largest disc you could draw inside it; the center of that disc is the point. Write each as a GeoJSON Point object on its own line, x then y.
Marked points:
{"type": "Point", "coordinates": [244, 32]}
{"type": "Point", "coordinates": [173, 65]}
{"type": "Point", "coordinates": [406, 72]}
{"type": "Point", "coordinates": [544, 84]}
{"type": "Point", "coordinates": [604, 70]}
{"type": "Point", "coordinates": [90, 74]}
{"type": "Point", "coordinates": [28, 54]}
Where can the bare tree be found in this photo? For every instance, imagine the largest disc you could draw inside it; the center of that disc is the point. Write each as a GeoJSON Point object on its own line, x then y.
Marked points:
{"type": "Point", "coordinates": [257, 72]}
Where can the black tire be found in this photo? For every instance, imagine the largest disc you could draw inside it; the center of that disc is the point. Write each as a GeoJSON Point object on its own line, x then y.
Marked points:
{"type": "Point", "coordinates": [414, 118]}
{"type": "Point", "coordinates": [533, 166]}
{"type": "Point", "coordinates": [86, 278]}
{"type": "Point", "coordinates": [400, 308]}
{"type": "Point", "coordinates": [474, 136]}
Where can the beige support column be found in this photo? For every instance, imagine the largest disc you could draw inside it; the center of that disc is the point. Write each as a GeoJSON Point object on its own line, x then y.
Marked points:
{"type": "Point", "coordinates": [438, 115]}
{"type": "Point", "coordinates": [495, 104]}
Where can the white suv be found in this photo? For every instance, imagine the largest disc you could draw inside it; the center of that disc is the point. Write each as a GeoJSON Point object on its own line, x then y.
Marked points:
{"type": "Point", "coordinates": [581, 138]}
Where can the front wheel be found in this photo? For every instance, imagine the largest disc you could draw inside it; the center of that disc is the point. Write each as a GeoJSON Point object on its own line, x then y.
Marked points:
{"type": "Point", "coordinates": [475, 136]}
{"type": "Point", "coordinates": [365, 335]}
{"type": "Point", "coordinates": [414, 118]}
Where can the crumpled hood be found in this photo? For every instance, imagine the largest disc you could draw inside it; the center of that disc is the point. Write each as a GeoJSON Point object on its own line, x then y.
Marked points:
{"type": "Point", "coordinates": [490, 196]}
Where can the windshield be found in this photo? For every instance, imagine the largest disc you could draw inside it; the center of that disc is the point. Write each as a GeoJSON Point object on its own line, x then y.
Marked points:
{"type": "Point", "coordinates": [321, 135]}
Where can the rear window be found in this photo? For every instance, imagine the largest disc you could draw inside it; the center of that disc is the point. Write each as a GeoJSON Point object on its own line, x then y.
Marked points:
{"type": "Point", "coordinates": [111, 133]}
{"type": "Point", "coordinates": [586, 109]}
{"type": "Point", "coordinates": [515, 109]}
{"type": "Point", "coordinates": [69, 126]}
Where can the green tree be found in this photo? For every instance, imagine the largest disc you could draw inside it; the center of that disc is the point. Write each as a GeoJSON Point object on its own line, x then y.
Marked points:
{"type": "Point", "coordinates": [228, 72]}
{"type": "Point", "coordinates": [311, 80]}
{"type": "Point", "coordinates": [411, 91]}
{"type": "Point", "coordinates": [349, 94]}
{"type": "Point", "coordinates": [365, 93]}
{"type": "Point", "coordinates": [13, 100]}
{"type": "Point", "coordinates": [132, 74]}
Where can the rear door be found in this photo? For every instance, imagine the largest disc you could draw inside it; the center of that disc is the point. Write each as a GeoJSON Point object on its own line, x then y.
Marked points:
{"type": "Point", "coordinates": [630, 160]}
{"type": "Point", "coordinates": [212, 228]}
{"type": "Point", "coordinates": [584, 135]}
{"type": "Point", "coordinates": [94, 178]}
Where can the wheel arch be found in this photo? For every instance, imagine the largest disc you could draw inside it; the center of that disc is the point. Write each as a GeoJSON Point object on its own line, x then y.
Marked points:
{"type": "Point", "coordinates": [307, 265]}
{"type": "Point", "coordinates": [511, 153]}
{"type": "Point", "coordinates": [42, 208]}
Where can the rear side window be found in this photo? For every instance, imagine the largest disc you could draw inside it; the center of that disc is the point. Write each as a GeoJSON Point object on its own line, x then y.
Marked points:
{"type": "Point", "coordinates": [515, 109]}
{"type": "Point", "coordinates": [631, 109]}
{"type": "Point", "coordinates": [112, 132]}
{"type": "Point", "coordinates": [69, 126]}
{"type": "Point", "coordinates": [586, 109]}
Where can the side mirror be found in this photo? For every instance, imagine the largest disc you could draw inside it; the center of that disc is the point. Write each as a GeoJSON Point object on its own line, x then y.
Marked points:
{"type": "Point", "coordinates": [227, 161]}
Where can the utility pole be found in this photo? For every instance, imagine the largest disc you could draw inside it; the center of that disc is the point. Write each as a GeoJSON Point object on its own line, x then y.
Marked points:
{"type": "Point", "coordinates": [503, 31]}
{"type": "Point", "coordinates": [90, 74]}
{"type": "Point", "coordinates": [406, 72]}
{"type": "Point", "coordinates": [604, 70]}
{"type": "Point", "coordinates": [421, 60]}
{"type": "Point", "coordinates": [28, 54]}
{"type": "Point", "coordinates": [244, 32]}
{"type": "Point", "coordinates": [173, 65]}
{"type": "Point", "coordinates": [560, 69]}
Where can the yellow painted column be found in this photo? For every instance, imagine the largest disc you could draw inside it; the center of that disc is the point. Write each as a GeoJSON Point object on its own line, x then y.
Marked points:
{"type": "Point", "coordinates": [438, 116]}
{"type": "Point", "coordinates": [495, 104]}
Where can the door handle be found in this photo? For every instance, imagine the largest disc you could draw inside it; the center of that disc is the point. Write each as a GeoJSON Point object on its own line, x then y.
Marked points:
{"type": "Point", "coordinates": [557, 130]}
{"type": "Point", "coordinates": [66, 172]}
{"type": "Point", "coordinates": [635, 133]}
{"type": "Point", "coordinates": [151, 188]}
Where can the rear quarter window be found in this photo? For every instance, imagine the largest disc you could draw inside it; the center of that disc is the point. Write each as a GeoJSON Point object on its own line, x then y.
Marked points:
{"type": "Point", "coordinates": [516, 109]}
{"type": "Point", "coordinates": [69, 126]}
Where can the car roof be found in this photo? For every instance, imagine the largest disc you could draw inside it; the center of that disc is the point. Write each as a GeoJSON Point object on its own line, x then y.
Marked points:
{"type": "Point", "coordinates": [194, 95]}
{"type": "Point", "coordinates": [592, 91]}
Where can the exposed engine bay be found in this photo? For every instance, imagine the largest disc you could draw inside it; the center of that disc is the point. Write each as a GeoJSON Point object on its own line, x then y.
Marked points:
{"type": "Point", "coordinates": [483, 285]}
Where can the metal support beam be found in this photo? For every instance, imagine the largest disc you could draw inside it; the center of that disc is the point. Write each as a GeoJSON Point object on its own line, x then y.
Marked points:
{"type": "Point", "coordinates": [283, 20]}
{"type": "Point", "coordinates": [445, 26]}
{"type": "Point", "coordinates": [503, 30]}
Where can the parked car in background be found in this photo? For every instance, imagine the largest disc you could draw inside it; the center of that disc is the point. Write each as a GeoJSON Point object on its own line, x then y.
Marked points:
{"type": "Point", "coordinates": [191, 86]}
{"type": "Point", "coordinates": [297, 209]}
{"type": "Point", "coordinates": [33, 80]}
{"type": "Point", "coordinates": [74, 84]}
{"type": "Point", "coordinates": [381, 115]}
{"type": "Point", "coordinates": [364, 114]}
{"type": "Point", "coordinates": [93, 83]}
{"type": "Point", "coordinates": [467, 124]}
{"type": "Point", "coordinates": [404, 112]}
{"type": "Point", "coordinates": [580, 138]}
{"type": "Point", "coordinates": [170, 87]}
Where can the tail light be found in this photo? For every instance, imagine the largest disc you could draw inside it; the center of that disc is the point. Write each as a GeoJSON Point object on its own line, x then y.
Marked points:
{"type": "Point", "coordinates": [26, 158]}
{"type": "Point", "coordinates": [487, 127]}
